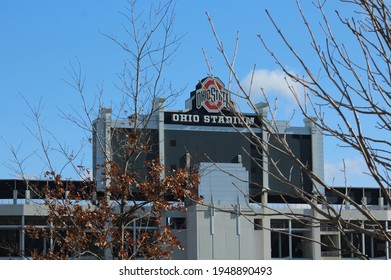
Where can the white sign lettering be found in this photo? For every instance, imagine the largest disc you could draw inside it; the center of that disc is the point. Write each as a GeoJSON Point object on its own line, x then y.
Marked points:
{"type": "Point", "coordinates": [212, 119]}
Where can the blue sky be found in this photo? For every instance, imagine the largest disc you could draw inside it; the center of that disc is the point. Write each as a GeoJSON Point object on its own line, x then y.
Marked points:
{"type": "Point", "coordinates": [41, 38]}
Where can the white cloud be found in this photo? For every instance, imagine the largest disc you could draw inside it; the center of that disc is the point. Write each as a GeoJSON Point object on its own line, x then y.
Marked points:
{"type": "Point", "coordinates": [354, 169]}
{"type": "Point", "coordinates": [272, 83]}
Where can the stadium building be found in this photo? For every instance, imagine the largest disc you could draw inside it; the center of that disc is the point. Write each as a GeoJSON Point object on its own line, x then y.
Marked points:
{"type": "Point", "coordinates": [243, 212]}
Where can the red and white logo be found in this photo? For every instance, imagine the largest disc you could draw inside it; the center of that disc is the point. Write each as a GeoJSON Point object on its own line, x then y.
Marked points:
{"type": "Point", "coordinates": [212, 95]}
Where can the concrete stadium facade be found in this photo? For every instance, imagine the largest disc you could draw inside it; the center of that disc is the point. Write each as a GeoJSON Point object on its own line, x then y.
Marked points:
{"type": "Point", "coordinates": [242, 214]}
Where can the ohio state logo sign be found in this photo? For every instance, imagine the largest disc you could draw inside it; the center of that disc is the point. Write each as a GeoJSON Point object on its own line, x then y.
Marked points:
{"type": "Point", "coordinates": [212, 96]}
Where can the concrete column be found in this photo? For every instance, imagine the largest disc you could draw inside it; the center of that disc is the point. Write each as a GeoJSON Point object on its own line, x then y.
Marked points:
{"type": "Point", "coordinates": [266, 251]}
{"type": "Point", "coordinates": [364, 249]}
{"type": "Point", "coordinates": [158, 108]}
{"type": "Point", "coordinates": [238, 225]}
{"type": "Point", "coordinates": [212, 213]}
{"type": "Point", "coordinates": [15, 196]}
{"type": "Point", "coordinates": [364, 201]}
{"type": "Point", "coordinates": [238, 230]}
{"type": "Point", "coordinates": [27, 197]}
{"type": "Point", "coordinates": [51, 240]}
{"type": "Point", "coordinates": [387, 243]}
{"type": "Point", "coordinates": [290, 239]}
{"type": "Point", "coordinates": [263, 108]}
{"type": "Point", "coordinates": [317, 153]}
{"type": "Point", "coordinates": [102, 144]}
{"type": "Point", "coordinates": [67, 197]}
{"type": "Point", "coordinates": [262, 111]}
{"type": "Point", "coordinates": [212, 229]}
{"type": "Point", "coordinates": [381, 202]}
{"type": "Point", "coordinates": [22, 237]}
{"type": "Point", "coordinates": [316, 248]}
{"type": "Point", "coordinates": [45, 249]}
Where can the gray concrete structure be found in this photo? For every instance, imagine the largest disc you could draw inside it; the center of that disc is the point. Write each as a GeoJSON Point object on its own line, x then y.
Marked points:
{"type": "Point", "coordinates": [241, 215]}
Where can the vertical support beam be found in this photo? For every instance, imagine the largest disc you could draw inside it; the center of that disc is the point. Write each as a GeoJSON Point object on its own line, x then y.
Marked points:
{"type": "Point", "coordinates": [363, 241]}
{"type": "Point", "coordinates": [27, 197]}
{"type": "Point", "coordinates": [238, 228]}
{"type": "Point", "coordinates": [212, 213]}
{"type": "Point", "coordinates": [102, 146]}
{"type": "Point", "coordinates": [45, 248]}
{"type": "Point", "coordinates": [22, 237]}
{"type": "Point", "coordinates": [381, 202]}
{"type": "Point", "coordinates": [266, 232]}
{"type": "Point", "coordinates": [134, 237]}
{"type": "Point", "coordinates": [108, 252]}
{"type": "Point", "coordinates": [364, 201]}
{"type": "Point", "coordinates": [262, 110]}
{"type": "Point", "coordinates": [317, 153]}
{"type": "Point", "coordinates": [387, 243]}
{"type": "Point", "coordinates": [279, 245]}
{"type": "Point", "coordinates": [102, 129]}
{"type": "Point", "coordinates": [238, 211]}
{"type": "Point", "coordinates": [290, 239]}
{"type": "Point", "coordinates": [51, 241]}
{"type": "Point", "coordinates": [15, 196]}
{"type": "Point", "coordinates": [212, 227]}
{"type": "Point", "coordinates": [158, 108]}
{"type": "Point", "coordinates": [316, 248]}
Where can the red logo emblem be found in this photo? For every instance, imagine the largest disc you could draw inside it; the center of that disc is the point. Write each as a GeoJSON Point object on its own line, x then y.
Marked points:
{"type": "Point", "coordinates": [212, 95]}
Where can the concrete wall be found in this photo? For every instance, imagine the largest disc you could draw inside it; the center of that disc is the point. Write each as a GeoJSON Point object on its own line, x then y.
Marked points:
{"type": "Point", "coordinates": [223, 183]}
{"type": "Point", "coordinates": [215, 233]}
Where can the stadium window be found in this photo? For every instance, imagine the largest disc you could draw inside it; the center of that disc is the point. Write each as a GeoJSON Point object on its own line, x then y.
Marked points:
{"type": "Point", "coordinates": [10, 242]}
{"type": "Point", "coordinates": [257, 224]}
{"type": "Point", "coordinates": [176, 223]}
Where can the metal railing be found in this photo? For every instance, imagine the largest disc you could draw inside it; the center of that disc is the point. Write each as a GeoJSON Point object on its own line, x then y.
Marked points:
{"type": "Point", "coordinates": [328, 228]}
{"type": "Point", "coordinates": [330, 253]}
